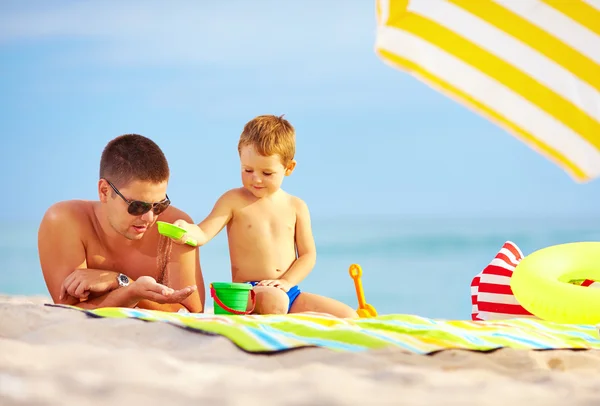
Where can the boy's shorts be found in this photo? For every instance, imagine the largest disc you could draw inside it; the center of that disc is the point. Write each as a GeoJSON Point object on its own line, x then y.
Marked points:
{"type": "Point", "coordinates": [293, 293]}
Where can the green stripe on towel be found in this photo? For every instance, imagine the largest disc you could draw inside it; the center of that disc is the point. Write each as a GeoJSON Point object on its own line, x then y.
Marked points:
{"type": "Point", "coordinates": [420, 335]}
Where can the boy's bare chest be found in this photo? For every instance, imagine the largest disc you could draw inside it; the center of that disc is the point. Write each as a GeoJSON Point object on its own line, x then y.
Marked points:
{"type": "Point", "coordinates": [265, 221]}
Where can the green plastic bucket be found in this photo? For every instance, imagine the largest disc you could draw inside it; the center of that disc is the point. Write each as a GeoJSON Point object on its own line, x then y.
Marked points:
{"type": "Point", "coordinates": [231, 297]}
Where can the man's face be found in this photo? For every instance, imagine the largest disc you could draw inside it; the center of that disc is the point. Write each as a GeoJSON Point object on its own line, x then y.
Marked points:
{"type": "Point", "coordinates": [124, 217]}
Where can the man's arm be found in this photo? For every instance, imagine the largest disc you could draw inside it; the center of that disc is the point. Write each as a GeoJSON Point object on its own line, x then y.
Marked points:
{"type": "Point", "coordinates": [60, 247]}
{"type": "Point", "coordinates": [145, 289]}
{"type": "Point", "coordinates": [91, 288]}
{"type": "Point", "coordinates": [122, 297]}
{"type": "Point", "coordinates": [305, 244]}
{"type": "Point", "coordinates": [61, 252]}
{"type": "Point", "coordinates": [84, 282]}
{"type": "Point", "coordinates": [183, 270]}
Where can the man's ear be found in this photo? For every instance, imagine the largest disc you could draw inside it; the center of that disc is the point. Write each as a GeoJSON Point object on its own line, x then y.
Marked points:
{"type": "Point", "coordinates": [290, 167]}
{"type": "Point", "coordinates": [103, 190]}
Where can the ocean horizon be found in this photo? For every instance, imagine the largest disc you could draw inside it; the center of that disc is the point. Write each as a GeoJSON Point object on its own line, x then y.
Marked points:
{"type": "Point", "coordinates": [421, 266]}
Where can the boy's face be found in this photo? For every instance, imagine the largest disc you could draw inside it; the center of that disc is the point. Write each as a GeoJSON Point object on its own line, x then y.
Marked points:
{"type": "Point", "coordinates": [262, 175]}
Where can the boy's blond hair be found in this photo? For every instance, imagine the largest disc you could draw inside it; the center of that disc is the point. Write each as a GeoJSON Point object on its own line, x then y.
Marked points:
{"type": "Point", "coordinates": [270, 135]}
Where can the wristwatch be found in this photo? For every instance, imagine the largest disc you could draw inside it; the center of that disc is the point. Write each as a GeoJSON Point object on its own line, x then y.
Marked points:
{"type": "Point", "coordinates": [122, 280]}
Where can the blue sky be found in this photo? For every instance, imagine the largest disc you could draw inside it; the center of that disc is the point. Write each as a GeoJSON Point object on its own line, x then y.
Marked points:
{"type": "Point", "coordinates": [189, 74]}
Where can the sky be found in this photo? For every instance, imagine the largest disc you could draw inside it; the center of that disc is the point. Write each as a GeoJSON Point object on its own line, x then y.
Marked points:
{"type": "Point", "coordinates": [371, 140]}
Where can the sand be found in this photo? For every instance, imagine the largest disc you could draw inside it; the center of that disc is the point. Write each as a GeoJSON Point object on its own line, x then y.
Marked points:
{"type": "Point", "coordinates": [53, 356]}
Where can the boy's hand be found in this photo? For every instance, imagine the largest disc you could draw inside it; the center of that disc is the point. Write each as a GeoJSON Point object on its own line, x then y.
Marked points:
{"type": "Point", "coordinates": [182, 224]}
{"type": "Point", "coordinates": [276, 283]}
{"type": "Point", "coordinates": [186, 226]}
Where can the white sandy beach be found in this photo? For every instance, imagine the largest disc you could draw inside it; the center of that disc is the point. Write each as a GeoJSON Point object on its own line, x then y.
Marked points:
{"type": "Point", "coordinates": [53, 356]}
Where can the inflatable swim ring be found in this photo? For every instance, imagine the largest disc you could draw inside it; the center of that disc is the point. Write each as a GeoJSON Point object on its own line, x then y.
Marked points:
{"type": "Point", "coordinates": [544, 283]}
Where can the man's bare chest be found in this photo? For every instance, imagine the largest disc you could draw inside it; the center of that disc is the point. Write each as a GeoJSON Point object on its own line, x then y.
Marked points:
{"type": "Point", "coordinates": [133, 264]}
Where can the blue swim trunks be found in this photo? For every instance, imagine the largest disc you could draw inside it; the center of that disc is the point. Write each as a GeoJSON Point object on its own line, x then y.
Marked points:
{"type": "Point", "coordinates": [293, 293]}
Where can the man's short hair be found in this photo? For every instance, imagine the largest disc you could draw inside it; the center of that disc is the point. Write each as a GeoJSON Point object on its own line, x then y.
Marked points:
{"type": "Point", "coordinates": [132, 157]}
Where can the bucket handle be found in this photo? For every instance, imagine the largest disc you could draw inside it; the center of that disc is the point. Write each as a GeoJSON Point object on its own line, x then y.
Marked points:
{"type": "Point", "coordinates": [213, 294]}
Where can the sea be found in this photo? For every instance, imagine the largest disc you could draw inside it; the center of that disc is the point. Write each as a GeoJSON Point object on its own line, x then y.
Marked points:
{"type": "Point", "coordinates": [420, 266]}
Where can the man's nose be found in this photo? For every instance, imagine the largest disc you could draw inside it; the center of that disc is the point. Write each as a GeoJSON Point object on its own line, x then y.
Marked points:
{"type": "Point", "coordinates": [148, 217]}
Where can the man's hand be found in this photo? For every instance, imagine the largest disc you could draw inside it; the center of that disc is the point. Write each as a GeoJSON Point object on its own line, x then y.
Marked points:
{"type": "Point", "coordinates": [276, 283]}
{"type": "Point", "coordinates": [81, 282]}
{"type": "Point", "coordinates": [147, 288]}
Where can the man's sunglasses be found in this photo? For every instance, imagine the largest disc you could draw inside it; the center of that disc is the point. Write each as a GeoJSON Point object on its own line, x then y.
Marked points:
{"type": "Point", "coordinates": [138, 208]}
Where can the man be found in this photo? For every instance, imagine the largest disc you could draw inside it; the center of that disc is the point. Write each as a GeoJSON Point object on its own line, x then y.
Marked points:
{"type": "Point", "coordinates": [108, 253]}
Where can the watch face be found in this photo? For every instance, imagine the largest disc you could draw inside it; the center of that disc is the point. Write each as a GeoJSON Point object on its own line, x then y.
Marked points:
{"type": "Point", "coordinates": [123, 279]}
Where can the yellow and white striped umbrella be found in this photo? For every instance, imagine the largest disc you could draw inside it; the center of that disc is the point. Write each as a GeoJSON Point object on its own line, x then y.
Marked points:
{"type": "Point", "coordinates": [531, 66]}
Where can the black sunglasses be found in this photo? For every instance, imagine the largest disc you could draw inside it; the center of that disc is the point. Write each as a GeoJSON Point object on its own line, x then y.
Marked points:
{"type": "Point", "coordinates": [138, 208]}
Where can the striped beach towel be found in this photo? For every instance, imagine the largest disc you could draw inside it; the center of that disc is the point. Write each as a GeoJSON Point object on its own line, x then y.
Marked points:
{"type": "Point", "coordinates": [530, 66]}
{"type": "Point", "coordinates": [491, 295]}
{"type": "Point", "coordinates": [420, 335]}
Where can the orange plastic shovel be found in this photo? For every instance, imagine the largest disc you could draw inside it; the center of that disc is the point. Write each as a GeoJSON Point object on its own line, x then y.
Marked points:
{"type": "Point", "coordinates": [364, 309]}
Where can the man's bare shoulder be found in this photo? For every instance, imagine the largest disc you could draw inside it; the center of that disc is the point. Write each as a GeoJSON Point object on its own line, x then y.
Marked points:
{"type": "Point", "coordinates": [173, 213]}
{"type": "Point", "coordinates": [69, 220]}
{"type": "Point", "coordinates": [69, 213]}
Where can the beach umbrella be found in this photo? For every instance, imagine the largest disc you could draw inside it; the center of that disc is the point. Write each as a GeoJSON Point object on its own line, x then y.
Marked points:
{"type": "Point", "coordinates": [530, 66]}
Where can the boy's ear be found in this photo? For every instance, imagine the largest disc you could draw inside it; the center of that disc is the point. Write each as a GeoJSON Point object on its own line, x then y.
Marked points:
{"type": "Point", "coordinates": [290, 167]}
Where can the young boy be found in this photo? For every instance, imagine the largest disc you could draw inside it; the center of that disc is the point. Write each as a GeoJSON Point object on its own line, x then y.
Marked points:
{"type": "Point", "coordinates": [269, 231]}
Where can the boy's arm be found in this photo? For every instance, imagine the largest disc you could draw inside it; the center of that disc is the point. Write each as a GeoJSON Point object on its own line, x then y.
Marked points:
{"type": "Point", "coordinates": [305, 243]}
{"type": "Point", "coordinates": [213, 223]}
